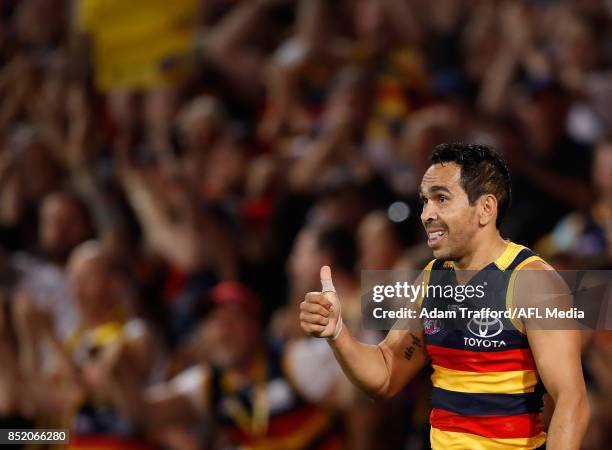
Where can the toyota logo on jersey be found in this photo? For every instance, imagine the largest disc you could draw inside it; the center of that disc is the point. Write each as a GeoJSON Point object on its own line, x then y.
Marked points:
{"type": "Point", "coordinates": [485, 327]}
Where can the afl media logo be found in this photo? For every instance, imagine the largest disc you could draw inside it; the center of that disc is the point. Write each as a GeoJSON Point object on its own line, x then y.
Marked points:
{"type": "Point", "coordinates": [485, 328]}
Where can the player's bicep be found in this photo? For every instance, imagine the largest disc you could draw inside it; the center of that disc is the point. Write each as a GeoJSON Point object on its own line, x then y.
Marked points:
{"type": "Point", "coordinates": [557, 357]}
{"type": "Point", "coordinates": [404, 354]}
{"type": "Point", "coordinates": [405, 343]}
{"type": "Point", "coordinates": [403, 349]}
{"type": "Point", "coordinates": [533, 291]}
{"type": "Point", "coordinates": [555, 343]}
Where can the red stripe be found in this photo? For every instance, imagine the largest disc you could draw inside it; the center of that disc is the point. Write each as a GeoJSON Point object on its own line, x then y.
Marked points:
{"type": "Point", "coordinates": [471, 361]}
{"type": "Point", "coordinates": [500, 427]}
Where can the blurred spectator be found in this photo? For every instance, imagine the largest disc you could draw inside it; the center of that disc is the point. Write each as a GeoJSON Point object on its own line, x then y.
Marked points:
{"type": "Point", "coordinates": [64, 223]}
{"type": "Point", "coordinates": [554, 169]}
{"type": "Point", "coordinates": [587, 235]}
{"type": "Point", "coordinates": [380, 245]}
{"type": "Point", "coordinates": [106, 301]}
{"type": "Point", "coordinates": [318, 245]}
{"type": "Point", "coordinates": [66, 375]}
{"type": "Point", "coordinates": [255, 394]}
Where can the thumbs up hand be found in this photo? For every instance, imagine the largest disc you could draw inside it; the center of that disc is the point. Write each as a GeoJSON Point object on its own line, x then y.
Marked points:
{"type": "Point", "coordinates": [320, 312]}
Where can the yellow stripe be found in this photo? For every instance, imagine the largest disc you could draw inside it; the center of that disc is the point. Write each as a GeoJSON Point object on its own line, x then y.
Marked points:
{"type": "Point", "coordinates": [509, 255]}
{"type": "Point", "coordinates": [510, 382]}
{"type": "Point", "coordinates": [426, 276]}
{"type": "Point", "coordinates": [452, 440]}
{"type": "Point", "coordinates": [510, 292]}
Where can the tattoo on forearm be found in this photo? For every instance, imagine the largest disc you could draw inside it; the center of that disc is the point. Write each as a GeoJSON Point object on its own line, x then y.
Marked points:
{"type": "Point", "coordinates": [416, 343]}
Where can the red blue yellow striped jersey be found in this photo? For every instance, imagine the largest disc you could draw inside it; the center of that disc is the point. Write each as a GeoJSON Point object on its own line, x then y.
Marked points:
{"type": "Point", "coordinates": [486, 390]}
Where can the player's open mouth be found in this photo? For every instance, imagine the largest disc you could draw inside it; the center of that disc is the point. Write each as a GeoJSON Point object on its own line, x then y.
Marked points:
{"type": "Point", "coordinates": [435, 237]}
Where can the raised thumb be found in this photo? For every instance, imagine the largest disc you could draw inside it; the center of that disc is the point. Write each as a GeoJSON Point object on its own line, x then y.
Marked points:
{"type": "Point", "coordinates": [327, 284]}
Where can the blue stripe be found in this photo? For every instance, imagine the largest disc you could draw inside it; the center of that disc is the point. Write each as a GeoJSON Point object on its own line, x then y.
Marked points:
{"type": "Point", "coordinates": [512, 339]}
{"type": "Point", "coordinates": [469, 404]}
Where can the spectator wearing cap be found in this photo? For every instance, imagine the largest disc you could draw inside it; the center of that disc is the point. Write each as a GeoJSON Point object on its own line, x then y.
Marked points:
{"type": "Point", "coordinates": [257, 395]}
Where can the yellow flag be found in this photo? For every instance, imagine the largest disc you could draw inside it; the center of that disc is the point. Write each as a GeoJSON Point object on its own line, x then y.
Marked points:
{"type": "Point", "coordinates": [137, 43]}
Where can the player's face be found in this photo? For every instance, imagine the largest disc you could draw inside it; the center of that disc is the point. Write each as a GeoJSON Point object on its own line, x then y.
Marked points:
{"type": "Point", "coordinates": [449, 219]}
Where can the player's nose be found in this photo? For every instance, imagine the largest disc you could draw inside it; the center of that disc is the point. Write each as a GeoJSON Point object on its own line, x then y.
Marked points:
{"type": "Point", "coordinates": [428, 214]}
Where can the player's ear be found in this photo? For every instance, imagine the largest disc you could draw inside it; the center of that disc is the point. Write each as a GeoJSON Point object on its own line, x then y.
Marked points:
{"type": "Point", "coordinates": [487, 209]}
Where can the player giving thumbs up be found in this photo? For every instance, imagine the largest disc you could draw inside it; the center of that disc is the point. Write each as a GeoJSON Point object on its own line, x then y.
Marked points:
{"type": "Point", "coordinates": [320, 312]}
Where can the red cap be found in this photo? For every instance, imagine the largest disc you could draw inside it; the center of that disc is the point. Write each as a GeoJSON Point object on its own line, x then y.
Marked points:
{"type": "Point", "coordinates": [237, 295]}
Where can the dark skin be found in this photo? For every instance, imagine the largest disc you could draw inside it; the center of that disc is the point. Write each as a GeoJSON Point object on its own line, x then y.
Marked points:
{"type": "Point", "coordinates": [470, 238]}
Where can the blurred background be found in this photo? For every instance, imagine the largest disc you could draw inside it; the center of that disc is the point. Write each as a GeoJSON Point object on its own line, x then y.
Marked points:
{"type": "Point", "coordinates": [173, 174]}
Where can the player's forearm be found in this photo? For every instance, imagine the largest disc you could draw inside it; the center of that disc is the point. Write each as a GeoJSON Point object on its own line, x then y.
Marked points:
{"type": "Point", "coordinates": [569, 421]}
{"type": "Point", "coordinates": [363, 364]}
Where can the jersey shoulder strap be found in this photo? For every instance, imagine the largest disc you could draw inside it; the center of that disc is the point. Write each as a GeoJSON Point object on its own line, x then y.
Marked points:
{"type": "Point", "coordinates": [524, 257]}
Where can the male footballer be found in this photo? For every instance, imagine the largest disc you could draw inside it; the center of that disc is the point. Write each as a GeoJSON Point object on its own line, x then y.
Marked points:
{"type": "Point", "coordinates": [487, 392]}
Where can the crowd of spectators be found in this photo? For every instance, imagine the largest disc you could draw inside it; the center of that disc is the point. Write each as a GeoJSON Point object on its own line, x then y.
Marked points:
{"type": "Point", "coordinates": [156, 240]}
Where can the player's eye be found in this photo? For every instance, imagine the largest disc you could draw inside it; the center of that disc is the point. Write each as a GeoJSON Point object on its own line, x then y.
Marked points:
{"type": "Point", "coordinates": [442, 199]}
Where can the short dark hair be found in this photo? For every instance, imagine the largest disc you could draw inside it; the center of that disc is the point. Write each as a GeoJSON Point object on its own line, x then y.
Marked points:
{"type": "Point", "coordinates": [483, 171]}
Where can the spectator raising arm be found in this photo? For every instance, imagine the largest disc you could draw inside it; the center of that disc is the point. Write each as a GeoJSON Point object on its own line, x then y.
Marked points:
{"type": "Point", "coordinates": [175, 226]}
